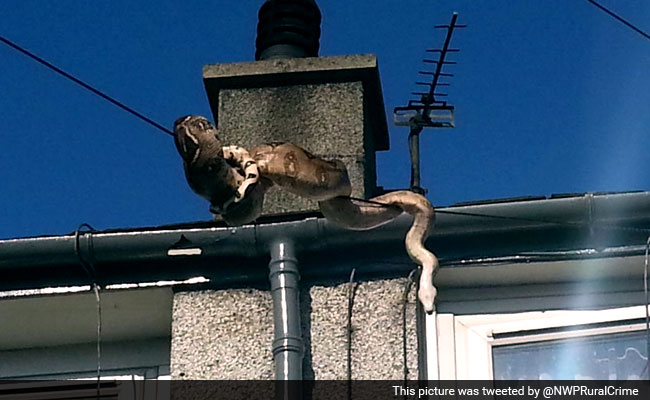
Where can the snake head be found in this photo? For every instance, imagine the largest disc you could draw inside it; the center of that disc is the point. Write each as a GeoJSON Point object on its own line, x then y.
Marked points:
{"type": "Point", "coordinates": [194, 134]}
{"type": "Point", "coordinates": [427, 296]}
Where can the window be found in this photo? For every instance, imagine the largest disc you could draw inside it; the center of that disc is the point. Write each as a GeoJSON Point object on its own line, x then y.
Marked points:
{"type": "Point", "coordinates": [603, 344]}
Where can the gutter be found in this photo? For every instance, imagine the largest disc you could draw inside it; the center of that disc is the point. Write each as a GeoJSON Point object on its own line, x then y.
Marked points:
{"type": "Point", "coordinates": [237, 256]}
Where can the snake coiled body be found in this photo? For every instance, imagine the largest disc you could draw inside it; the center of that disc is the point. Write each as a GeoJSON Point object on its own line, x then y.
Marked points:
{"type": "Point", "coordinates": [380, 210]}
{"type": "Point", "coordinates": [235, 181]}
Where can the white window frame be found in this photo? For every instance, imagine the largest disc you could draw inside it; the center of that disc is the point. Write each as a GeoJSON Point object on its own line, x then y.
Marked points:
{"type": "Point", "coordinates": [460, 346]}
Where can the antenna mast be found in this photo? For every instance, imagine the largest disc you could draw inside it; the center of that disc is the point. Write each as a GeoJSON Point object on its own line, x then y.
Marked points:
{"type": "Point", "coordinates": [427, 111]}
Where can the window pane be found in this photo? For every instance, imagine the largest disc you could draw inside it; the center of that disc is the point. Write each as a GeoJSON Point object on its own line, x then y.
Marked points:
{"type": "Point", "coordinates": [613, 356]}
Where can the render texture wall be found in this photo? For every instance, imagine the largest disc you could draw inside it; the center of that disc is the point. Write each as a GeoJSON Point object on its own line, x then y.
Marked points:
{"type": "Point", "coordinates": [325, 119]}
{"type": "Point", "coordinates": [377, 337]}
{"type": "Point", "coordinates": [227, 334]}
{"type": "Point", "coordinates": [331, 106]}
{"type": "Point", "coordinates": [222, 334]}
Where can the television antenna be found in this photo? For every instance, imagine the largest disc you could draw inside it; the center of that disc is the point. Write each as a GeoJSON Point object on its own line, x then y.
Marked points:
{"type": "Point", "coordinates": [428, 111]}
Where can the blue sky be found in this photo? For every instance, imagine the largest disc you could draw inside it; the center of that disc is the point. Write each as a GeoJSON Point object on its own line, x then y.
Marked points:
{"type": "Point", "coordinates": [551, 96]}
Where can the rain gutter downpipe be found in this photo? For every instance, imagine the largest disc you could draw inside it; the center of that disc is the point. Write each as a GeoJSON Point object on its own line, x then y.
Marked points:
{"type": "Point", "coordinates": [288, 347]}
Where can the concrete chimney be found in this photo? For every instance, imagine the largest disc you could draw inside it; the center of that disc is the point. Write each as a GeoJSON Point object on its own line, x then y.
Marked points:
{"type": "Point", "coordinates": [331, 106]}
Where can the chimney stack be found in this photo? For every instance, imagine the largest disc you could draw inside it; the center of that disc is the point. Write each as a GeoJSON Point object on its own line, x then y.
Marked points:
{"type": "Point", "coordinates": [331, 106]}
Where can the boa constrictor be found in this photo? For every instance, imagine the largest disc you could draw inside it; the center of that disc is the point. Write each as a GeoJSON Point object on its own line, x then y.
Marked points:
{"type": "Point", "coordinates": [234, 181]}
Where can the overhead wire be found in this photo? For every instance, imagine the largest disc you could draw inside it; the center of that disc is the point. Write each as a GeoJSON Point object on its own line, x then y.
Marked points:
{"type": "Point", "coordinates": [620, 19]}
{"type": "Point", "coordinates": [543, 221]}
{"type": "Point", "coordinates": [85, 85]}
{"type": "Point", "coordinates": [510, 218]}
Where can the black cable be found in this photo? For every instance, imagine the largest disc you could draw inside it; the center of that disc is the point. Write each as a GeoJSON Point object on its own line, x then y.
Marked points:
{"type": "Point", "coordinates": [647, 314]}
{"type": "Point", "coordinates": [85, 264]}
{"type": "Point", "coordinates": [377, 203]}
{"type": "Point", "coordinates": [85, 85]}
{"type": "Point", "coordinates": [89, 268]}
{"type": "Point", "coordinates": [98, 302]}
{"type": "Point", "coordinates": [143, 392]}
{"type": "Point", "coordinates": [349, 330]}
{"type": "Point", "coordinates": [134, 387]}
{"type": "Point", "coordinates": [405, 300]}
{"type": "Point", "coordinates": [505, 217]}
{"type": "Point", "coordinates": [543, 221]}
{"type": "Point", "coordinates": [620, 19]}
{"type": "Point", "coordinates": [535, 220]}
{"type": "Point", "coordinates": [155, 396]}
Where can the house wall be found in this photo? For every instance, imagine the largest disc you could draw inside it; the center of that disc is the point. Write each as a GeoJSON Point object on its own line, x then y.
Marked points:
{"type": "Point", "coordinates": [227, 334]}
{"type": "Point", "coordinates": [222, 334]}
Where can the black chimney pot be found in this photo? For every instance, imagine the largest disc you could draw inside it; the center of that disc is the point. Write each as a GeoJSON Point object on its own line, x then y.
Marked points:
{"type": "Point", "coordinates": [288, 29]}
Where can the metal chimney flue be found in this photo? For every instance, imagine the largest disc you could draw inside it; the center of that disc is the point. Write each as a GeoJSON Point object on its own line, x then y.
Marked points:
{"type": "Point", "coordinates": [288, 29]}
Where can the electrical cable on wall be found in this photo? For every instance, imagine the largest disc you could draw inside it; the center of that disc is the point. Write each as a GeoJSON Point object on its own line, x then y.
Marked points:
{"type": "Point", "coordinates": [134, 387]}
{"type": "Point", "coordinates": [646, 367]}
{"type": "Point", "coordinates": [351, 292]}
{"type": "Point", "coordinates": [89, 268]}
{"type": "Point", "coordinates": [405, 299]}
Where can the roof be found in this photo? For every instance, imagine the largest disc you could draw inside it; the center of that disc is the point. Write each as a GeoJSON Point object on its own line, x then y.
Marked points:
{"type": "Point", "coordinates": [558, 228]}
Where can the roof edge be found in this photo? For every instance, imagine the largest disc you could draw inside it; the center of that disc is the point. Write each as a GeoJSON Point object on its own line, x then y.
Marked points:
{"type": "Point", "coordinates": [461, 233]}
